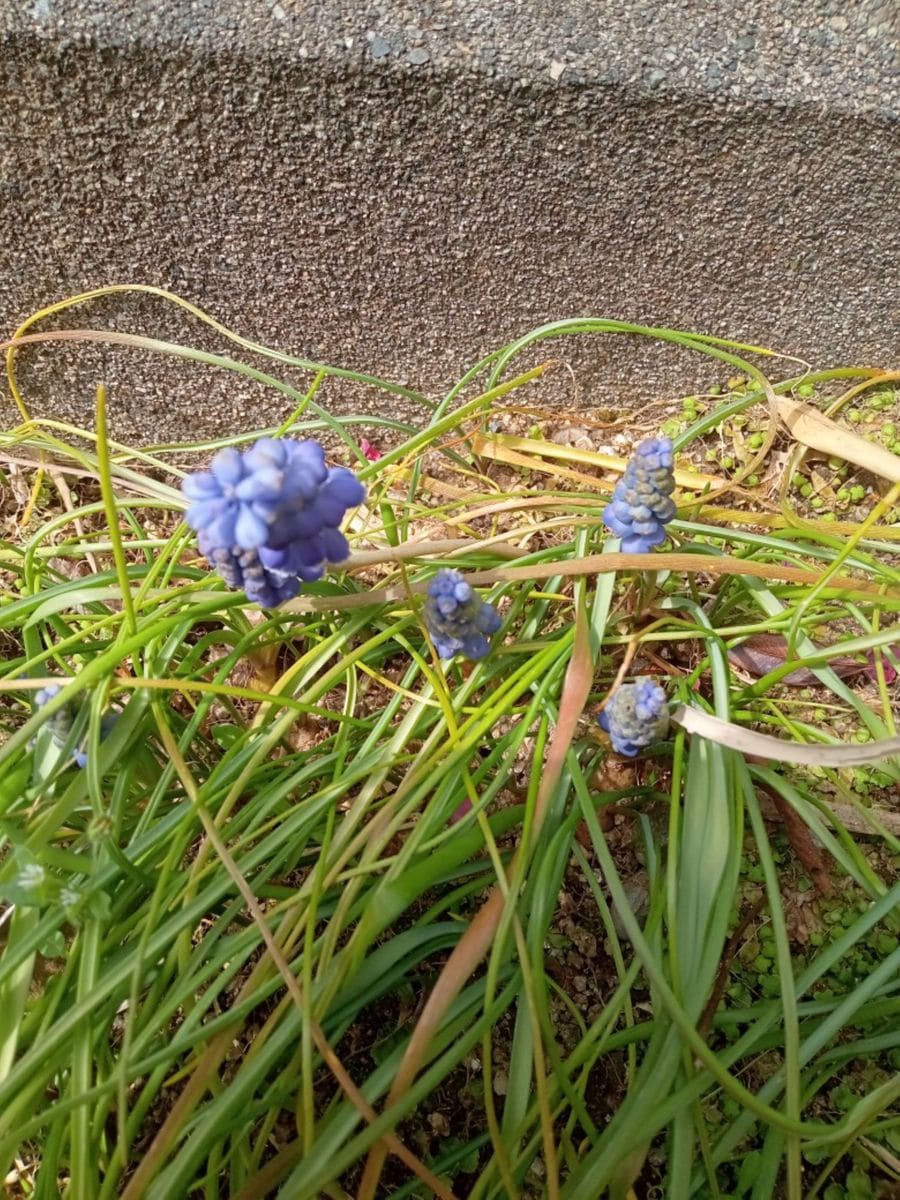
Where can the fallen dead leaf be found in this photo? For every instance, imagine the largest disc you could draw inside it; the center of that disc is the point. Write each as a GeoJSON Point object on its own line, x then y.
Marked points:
{"type": "Point", "coordinates": [812, 428]}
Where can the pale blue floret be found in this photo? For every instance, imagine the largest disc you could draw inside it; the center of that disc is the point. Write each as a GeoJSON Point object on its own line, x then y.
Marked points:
{"type": "Point", "coordinates": [641, 504]}
{"type": "Point", "coordinates": [636, 716]}
{"type": "Point", "coordinates": [457, 619]}
{"type": "Point", "coordinates": [61, 722]}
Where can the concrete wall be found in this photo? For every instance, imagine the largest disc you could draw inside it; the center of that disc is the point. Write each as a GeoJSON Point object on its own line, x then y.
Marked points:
{"type": "Point", "coordinates": [400, 189]}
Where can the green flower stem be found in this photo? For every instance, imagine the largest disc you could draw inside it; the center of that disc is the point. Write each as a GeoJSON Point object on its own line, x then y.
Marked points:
{"type": "Point", "coordinates": [84, 1180]}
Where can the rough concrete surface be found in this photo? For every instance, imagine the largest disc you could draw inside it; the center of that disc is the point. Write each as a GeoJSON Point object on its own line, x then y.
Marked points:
{"type": "Point", "coordinates": [400, 189]}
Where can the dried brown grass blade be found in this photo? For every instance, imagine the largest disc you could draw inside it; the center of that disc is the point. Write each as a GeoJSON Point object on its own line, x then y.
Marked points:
{"type": "Point", "coordinates": [813, 858]}
{"type": "Point", "coordinates": [528, 452]}
{"type": "Point", "coordinates": [761, 745]}
{"type": "Point", "coordinates": [597, 564]}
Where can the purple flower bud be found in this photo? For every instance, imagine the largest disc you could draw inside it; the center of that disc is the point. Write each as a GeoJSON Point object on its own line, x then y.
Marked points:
{"type": "Point", "coordinates": [310, 455]}
{"type": "Point", "coordinates": [291, 526]}
{"type": "Point", "coordinates": [202, 485]}
{"type": "Point", "coordinates": [344, 486]}
{"type": "Point", "coordinates": [228, 467]}
{"type": "Point", "coordinates": [250, 530]}
{"type": "Point", "coordinates": [262, 487]}
{"type": "Point", "coordinates": [641, 504]}
{"type": "Point", "coordinates": [457, 619]}
{"type": "Point", "coordinates": [245, 571]}
{"type": "Point", "coordinates": [60, 724]}
{"type": "Point", "coordinates": [267, 453]}
{"type": "Point", "coordinates": [275, 559]}
{"type": "Point", "coordinates": [635, 716]}
{"type": "Point", "coordinates": [335, 545]}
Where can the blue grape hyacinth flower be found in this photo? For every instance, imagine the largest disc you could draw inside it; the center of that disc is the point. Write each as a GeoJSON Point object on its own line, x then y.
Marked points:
{"type": "Point", "coordinates": [642, 504]}
{"type": "Point", "coordinates": [244, 571]}
{"type": "Point", "coordinates": [457, 619]}
{"type": "Point", "coordinates": [60, 724]}
{"type": "Point", "coordinates": [636, 716]}
{"type": "Point", "coordinates": [269, 518]}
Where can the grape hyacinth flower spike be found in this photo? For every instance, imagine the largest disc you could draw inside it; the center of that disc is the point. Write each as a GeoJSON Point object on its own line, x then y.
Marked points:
{"type": "Point", "coordinates": [457, 619]}
{"type": "Point", "coordinates": [642, 504]}
{"type": "Point", "coordinates": [635, 716]}
{"type": "Point", "coordinates": [269, 518]}
{"type": "Point", "coordinates": [60, 724]}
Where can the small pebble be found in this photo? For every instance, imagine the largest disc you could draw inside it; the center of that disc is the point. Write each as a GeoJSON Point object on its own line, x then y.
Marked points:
{"type": "Point", "coordinates": [379, 48]}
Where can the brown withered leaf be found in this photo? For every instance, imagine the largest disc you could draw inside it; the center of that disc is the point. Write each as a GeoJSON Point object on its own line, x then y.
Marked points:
{"type": "Point", "coordinates": [819, 432]}
{"type": "Point", "coordinates": [813, 857]}
{"type": "Point", "coordinates": [765, 652]}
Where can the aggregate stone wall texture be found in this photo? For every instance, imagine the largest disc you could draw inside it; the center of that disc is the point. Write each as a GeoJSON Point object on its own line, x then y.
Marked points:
{"type": "Point", "coordinates": [401, 188]}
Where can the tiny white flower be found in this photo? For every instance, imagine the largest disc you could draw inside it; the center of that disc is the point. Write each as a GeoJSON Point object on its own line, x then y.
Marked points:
{"type": "Point", "coordinates": [32, 877]}
{"type": "Point", "coordinates": [69, 897]}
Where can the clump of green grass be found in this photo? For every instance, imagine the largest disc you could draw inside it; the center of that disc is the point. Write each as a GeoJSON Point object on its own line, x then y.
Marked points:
{"type": "Point", "coordinates": [224, 937]}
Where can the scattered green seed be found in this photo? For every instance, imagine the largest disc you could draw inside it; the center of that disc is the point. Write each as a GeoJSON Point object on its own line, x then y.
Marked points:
{"type": "Point", "coordinates": [879, 401]}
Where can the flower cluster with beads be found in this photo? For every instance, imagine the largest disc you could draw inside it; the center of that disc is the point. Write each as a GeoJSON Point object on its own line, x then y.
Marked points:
{"type": "Point", "coordinates": [635, 716]}
{"type": "Point", "coordinates": [268, 518]}
{"type": "Point", "coordinates": [642, 504]}
{"type": "Point", "coordinates": [457, 619]}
